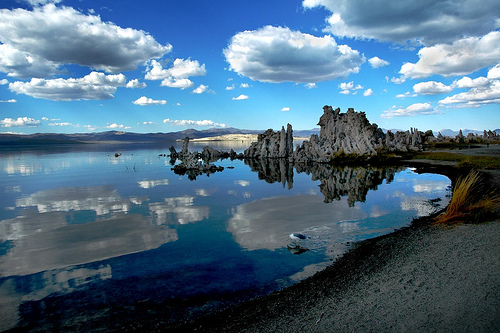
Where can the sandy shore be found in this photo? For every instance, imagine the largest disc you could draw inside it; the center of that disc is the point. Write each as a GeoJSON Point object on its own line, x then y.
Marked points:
{"type": "Point", "coordinates": [419, 279]}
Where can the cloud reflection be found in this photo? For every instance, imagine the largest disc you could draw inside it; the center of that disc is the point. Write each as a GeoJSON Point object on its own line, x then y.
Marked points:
{"type": "Point", "coordinates": [266, 223]}
{"type": "Point", "coordinates": [178, 210]}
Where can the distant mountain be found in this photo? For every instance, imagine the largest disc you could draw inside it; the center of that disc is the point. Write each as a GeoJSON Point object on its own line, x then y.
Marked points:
{"type": "Point", "coordinates": [114, 137]}
{"type": "Point", "coordinates": [465, 132]}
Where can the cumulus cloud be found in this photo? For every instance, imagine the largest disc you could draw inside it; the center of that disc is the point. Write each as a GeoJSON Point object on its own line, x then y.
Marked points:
{"type": "Point", "coordinates": [426, 21]}
{"type": "Point", "coordinates": [117, 126]}
{"type": "Point", "coordinates": [4, 82]}
{"type": "Point", "coordinates": [149, 101]}
{"type": "Point", "coordinates": [494, 73]}
{"type": "Point", "coordinates": [134, 84]}
{"type": "Point", "coordinates": [412, 110]}
{"type": "Point", "coordinates": [177, 75]}
{"type": "Point", "coordinates": [475, 97]}
{"type": "Point", "coordinates": [94, 86]}
{"type": "Point", "coordinates": [240, 97]}
{"type": "Point", "coordinates": [177, 83]}
{"type": "Point", "coordinates": [467, 82]}
{"type": "Point", "coordinates": [277, 54]}
{"type": "Point", "coordinates": [406, 94]}
{"type": "Point", "coordinates": [9, 101]}
{"type": "Point", "coordinates": [19, 122]}
{"type": "Point", "coordinates": [200, 123]}
{"type": "Point", "coordinates": [201, 89]}
{"type": "Point", "coordinates": [285, 109]}
{"type": "Point", "coordinates": [431, 88]}
{"type": "Point", "coordinates": [376, 62]}
{"type": "Point", "coordinates": [461, 57]}
{"type": "Point", "coordinates": [36, 43]}
{"type": "Point", "coordinates": [41, 2]}
{"type": "Point", "coordinates": [311, 85]}
{"type": "Point", "coordinates": [368, 92]}
{"type": "Point", "coordinates": [348, 87]}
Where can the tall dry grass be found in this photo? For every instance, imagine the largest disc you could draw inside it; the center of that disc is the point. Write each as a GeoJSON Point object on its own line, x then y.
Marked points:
{"type": "Point", "coordinates": [471, 201]}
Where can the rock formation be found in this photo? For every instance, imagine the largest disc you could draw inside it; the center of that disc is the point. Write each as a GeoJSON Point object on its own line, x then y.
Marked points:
{"type": "Point", "coordinates": [352, 133]}
{"type": "Point", "coordinates": [272, 144]}
{"type": "Point", "coordinates": [195, 164]}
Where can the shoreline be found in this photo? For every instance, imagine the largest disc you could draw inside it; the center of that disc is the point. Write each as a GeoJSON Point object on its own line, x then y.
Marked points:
{"type": "Point", "coordinates": [418, 278]}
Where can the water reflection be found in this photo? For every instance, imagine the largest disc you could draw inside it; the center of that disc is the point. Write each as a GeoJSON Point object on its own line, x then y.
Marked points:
{"type": "Point", "coordinates": [179, 210]}
{"type": "Point", "coordinates": [83, 243]}
{"type": "Point", "coordinates": [336, 181]}
{"type": "Point", "coordinates": [266, 223]}
{"type": "Point", "coordinates": [135, 224]}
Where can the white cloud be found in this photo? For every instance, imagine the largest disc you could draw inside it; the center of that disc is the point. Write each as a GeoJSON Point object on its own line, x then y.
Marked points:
{"type": "Point", "coordinates": [117, 126]}
{"type": "Point", "coordinates": [376, 62]}
{"type": "Point", "coordinates": [9, 101]}
{"type": "Point", "coordinates": [277, 54]}
{"type": "Point", "coordinates": [19, 122]}
{"type": "Point", "coordinates": [177, 83]}
{"type": "Point", "coordinates": [94, 86]}
{"type": "Point", "coordinates": [4, 82]}
{"type": "Point", "coordinates": [461, 57]}
{"type": "Point", "coordinates": [406, 94]}
{"type": "Point", "coordinates": [475, 97]}
{"type": "Point", "coordinates": [231, 87]}
{"type": "Point", "coordinates": [177, 75]}
{"type": "Point", "coordinates": [41, 2]}
{"type": "Point", "coordinates": [368, 92]}
{"type": "Point", "coordinates": [149, 101]}
{"type": "Point", "coordinates": [348, 88]}
{"type": "Point", "coordinates": [201, 89]}
{"type": "Point", "coordinates": [135, 84]}
{"type": "Point", "coordinates": [244, 85]}
{"type": "Point", "coordinates": [36, 43]}
{"type": "Point", "coordinates": [431, 88]}
{"type": "Point", "coordinates": [148, 123]}
{"type": "Point", "coordinates": [425, 21]}
{"type": "Point", "coordinates": [311, 85]}
{"type": "Point", "coordinates": [240, 97]}
{"type": "Point", "coordinates": [61, 124]}
{"type": "Point", "coordinates": [494, 73]}
{"type": "Point", "coordinates": [285, 109]}
{"type": "Point", "coordinates": [412, 110]}
{"type": "Point", "coordinates": [201, 123]}
{"type": "Point", "coordinates": [467, 82]}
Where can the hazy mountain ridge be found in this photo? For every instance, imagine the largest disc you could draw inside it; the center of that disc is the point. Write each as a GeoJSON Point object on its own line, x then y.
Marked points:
{"type": "Point", "coordinates": [132, 137]}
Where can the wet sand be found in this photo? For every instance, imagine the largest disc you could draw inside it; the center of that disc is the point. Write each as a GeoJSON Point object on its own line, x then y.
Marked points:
{"type": "Point", "coordinates": [422, 278]}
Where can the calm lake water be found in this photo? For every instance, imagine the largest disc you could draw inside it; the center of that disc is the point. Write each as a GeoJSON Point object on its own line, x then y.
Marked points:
{"type": "Point", "coordinates": [89, 237]}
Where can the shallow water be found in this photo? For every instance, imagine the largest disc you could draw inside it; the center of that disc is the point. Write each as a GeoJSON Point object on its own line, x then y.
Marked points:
{"type": "Point", "coordinates": [85, 235]}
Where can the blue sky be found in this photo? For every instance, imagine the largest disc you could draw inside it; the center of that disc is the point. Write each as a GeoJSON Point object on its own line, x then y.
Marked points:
{"type": "Point", "coordinates": [161, 66]}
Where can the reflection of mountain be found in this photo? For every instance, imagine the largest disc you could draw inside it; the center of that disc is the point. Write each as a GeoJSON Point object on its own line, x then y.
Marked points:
{"type": "Point", "coordinates": [266, 223]}
{"type": "Point", "coordinates": [336, 181]}
{"type": "Point", "coordinates": [78, 244]}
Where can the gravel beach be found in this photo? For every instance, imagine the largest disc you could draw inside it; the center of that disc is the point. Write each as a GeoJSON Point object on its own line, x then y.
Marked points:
{"type": "Point", "coordinates": [423, 278]}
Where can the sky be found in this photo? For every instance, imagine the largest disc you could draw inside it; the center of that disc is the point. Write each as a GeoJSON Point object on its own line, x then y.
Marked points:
{"type": "Point", "coordinates": [71, 66]}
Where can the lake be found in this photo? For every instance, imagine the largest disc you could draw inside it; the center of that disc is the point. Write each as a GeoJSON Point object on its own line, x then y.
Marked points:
{"type": "Point", "coordinates": [90, 240]}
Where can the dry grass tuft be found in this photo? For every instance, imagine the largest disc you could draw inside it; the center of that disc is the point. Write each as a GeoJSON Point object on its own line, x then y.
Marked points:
{"type": "Point", "coordinates": [471, 201]}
